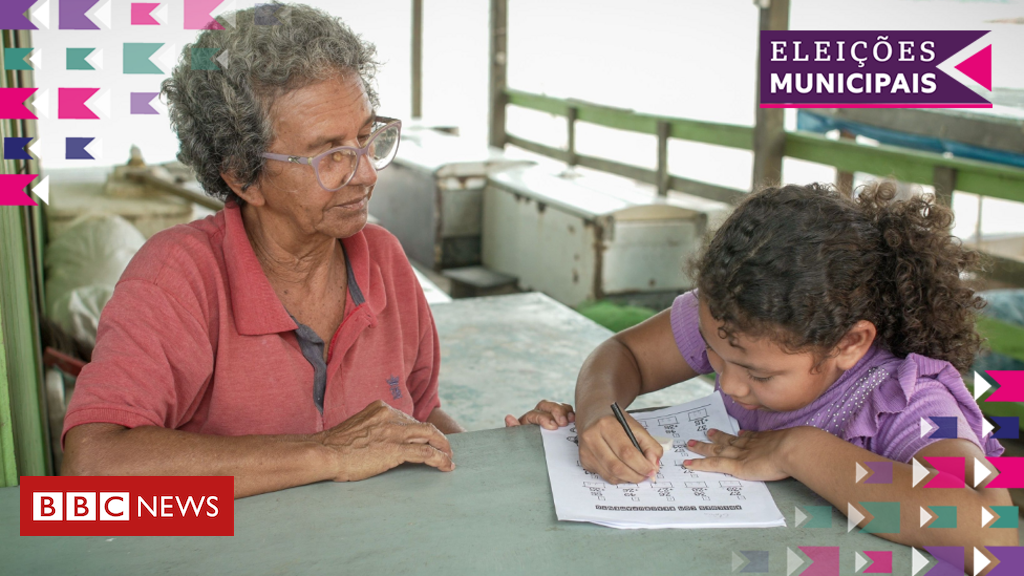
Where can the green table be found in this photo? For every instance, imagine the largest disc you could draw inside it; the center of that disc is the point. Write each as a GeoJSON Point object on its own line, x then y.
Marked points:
{"type": "Point", "coordinates": [492, 515]}
{"type": "Point", "coordinates": [502, 354]}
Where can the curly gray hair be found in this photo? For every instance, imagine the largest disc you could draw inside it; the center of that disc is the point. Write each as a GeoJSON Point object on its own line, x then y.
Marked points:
{"type": "Point", "coordinates": [222, 117]}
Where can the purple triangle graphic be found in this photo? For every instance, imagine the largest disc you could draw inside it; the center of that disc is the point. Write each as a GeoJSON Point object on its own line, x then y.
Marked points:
{"type": "Point", "coordinates": [140, 102]}
{"type": "Point", "coordinates": [12, 15]}
{"type": "Point", "coordinates": [72, 15]}
{"type": "Point", "coordinates": [950, 560]}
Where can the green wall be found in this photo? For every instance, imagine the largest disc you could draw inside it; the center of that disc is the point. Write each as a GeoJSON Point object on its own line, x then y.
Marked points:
{"type": "Point", "coordinates": [24, 437]}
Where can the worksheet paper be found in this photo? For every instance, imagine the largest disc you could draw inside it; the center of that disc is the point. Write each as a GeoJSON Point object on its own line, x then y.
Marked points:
{"type": "Point", "coordinates": [679, 498]}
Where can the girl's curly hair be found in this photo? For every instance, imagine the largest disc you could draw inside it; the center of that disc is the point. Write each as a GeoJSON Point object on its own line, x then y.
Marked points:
{"type": "Point", "coordinates": [803, 264]}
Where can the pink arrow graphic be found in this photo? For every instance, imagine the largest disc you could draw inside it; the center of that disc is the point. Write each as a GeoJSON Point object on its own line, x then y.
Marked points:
{"type": "Point", "coordinates": [71, 103]}
{"type": "Point", "coordinates": [1011, 472]}
{"type": "Point", "coordinates": [141, 14]}
{"type": "Point", "coordinates": [12, 104]}
{"type": "Point", "coordinates": [952, 470]}
{"type": "Point", "coordinates": [881, 561]}
{"type": "Point", "coordinates": [12, 189]}
{"type": "Point", "coordinates": [1011, 386]}
{"type": "Point", "coordinates": [825, 560]}
{"type": "Point", "coordinates": [979, 67]}
{"type": "Point", "coordinates": [197, 15]}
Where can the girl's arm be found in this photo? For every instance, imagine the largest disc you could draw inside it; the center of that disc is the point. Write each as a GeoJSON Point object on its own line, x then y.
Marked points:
{"type": "Point", "coordinates": [826, 464]}
{"type": "Point", "coordinates": [636, 361]}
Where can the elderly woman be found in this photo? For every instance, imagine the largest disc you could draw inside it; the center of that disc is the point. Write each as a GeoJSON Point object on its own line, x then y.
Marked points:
{"type": "Point", "coordinates": [281, 341]}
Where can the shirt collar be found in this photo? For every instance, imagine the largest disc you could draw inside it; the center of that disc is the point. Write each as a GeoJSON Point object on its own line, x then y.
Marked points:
{"type": "Point", "coordinates": [255, 305]}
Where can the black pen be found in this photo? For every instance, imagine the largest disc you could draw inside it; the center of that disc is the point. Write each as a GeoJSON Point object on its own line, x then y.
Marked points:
{"type": "Point", "coordinates": [622, 420]}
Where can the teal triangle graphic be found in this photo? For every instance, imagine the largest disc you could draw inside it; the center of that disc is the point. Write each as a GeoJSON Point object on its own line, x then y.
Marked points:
{"type": "Point", "coordinates": [14, 58]}
{"type": "Point", "coordinates": [76, 59]}
{"type": "Point", "coordinates": [136, 58]}
{"type": "Point", "coordinates": [202, 59]}
{"type": "Point", "coordinates": [945, 516]}
{"type": "Point", "coordinates": [1009, 517]}
{"type": "Point", "coordinates": [885, 517]}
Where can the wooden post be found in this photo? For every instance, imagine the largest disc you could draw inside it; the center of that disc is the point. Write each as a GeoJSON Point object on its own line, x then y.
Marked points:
{"type": "Point", "coordinates": [944, 181]}
{"type": "Point", "coordinates": [499, 72]}
{"type": "Point", "coordinates": [663, 179]}
{"type": "Point", "coordinates": [844, 180]}
{"type": "Point", "coordinates": [417, 58]}
{"type": "Point", "coordinates": [769, 133]}
{"type": "Point", "coordinates": [570, 119]}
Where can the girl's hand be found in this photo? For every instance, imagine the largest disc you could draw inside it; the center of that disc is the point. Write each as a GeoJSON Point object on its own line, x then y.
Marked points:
{"type": "Point", "coordinates": [550, 415]}
{"type": "Point", "coordinates": [606, 450]}
{"type": "Point", "coordinates": [749, 456]}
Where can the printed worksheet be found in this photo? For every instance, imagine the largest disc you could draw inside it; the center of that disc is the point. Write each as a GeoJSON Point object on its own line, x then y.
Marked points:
{"type": "Point", "coordinates": [678, 498]}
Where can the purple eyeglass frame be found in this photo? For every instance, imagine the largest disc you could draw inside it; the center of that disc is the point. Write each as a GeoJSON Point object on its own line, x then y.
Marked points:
{"type": "Point", "coordinates": [314, 161]}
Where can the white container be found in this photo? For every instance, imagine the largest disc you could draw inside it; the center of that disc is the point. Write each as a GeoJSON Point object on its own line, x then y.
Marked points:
{"type": "Point", "coordinates": [579, 239]}
{"type": "Point", "coordinates": [429, 197]}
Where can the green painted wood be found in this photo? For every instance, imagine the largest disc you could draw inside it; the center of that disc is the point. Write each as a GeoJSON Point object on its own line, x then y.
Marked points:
{"type": "Point", "coordinates": [733, 136]}
{"type": "Point", "coordinates": [23, 434]}
{"type": "Point", "coordinates": [985, 178]}
{"type": "Point", "coordinates": [8, 464]}
{"type": "Point", "coordinates": [492, 515]}
{"type": "Point", "coordinates": [694, 187]}
{"type": "Point", "coordinates": [21, 345]}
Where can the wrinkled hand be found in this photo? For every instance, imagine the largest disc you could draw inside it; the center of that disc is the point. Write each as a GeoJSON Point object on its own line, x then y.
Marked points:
{"type": "Point", "coordinates": [379, 438]}
{"type": "Point", "coordinates": [548, 414]}
{"type": "Point", "coordinates": [748, 456]}
{"type": "Point", "coordinates": [606, 450]}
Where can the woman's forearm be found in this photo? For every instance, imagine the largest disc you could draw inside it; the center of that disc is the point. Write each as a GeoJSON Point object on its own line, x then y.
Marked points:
{"type": "Point", "coordinates": [826, 464]}
{"type": "Point", "coordinates": [258, 463]}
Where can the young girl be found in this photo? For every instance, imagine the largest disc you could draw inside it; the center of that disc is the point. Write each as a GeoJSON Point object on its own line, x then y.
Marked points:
{"type": "Point", "coordinates": [833, 327]}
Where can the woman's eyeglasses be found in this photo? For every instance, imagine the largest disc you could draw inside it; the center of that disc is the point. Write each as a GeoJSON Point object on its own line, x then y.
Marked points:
{"type": "Point", "coordinates": [336, 167]}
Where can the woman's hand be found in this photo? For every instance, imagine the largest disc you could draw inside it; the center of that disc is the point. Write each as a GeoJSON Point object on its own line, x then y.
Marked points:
{"type": "Point", "coordinates": [748, 456]}
{"type": "Point", "coordinates": [606, 450]}
{"type": "Point", "coordinates": [380, 438]}
{"type": "Point", "coordinates": [550, 415]}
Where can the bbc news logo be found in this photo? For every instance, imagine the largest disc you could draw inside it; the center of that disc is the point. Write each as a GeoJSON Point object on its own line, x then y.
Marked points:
{"type": "Point", "coordinates": [127, 506]}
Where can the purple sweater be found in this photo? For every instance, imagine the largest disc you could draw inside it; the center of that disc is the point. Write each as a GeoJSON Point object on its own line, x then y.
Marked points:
{"type": "Point", "coordinates": [877, 405]}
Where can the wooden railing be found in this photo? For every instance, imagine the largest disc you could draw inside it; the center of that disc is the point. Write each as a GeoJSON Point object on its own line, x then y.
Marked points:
{"type": "Point", "coordinates": [944, 173]}
{"type": "Point", "coordinates": [904, 164]}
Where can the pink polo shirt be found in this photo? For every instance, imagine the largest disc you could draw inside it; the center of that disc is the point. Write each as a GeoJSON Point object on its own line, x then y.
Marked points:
{"type": "Point", "coordinates": [194, 338]}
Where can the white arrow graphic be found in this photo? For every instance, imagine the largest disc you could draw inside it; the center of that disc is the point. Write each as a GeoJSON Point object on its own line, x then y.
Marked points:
{"type": "Point", "coordinates": [853, 517]}
{"type": "Point", "coordinates": [43, 190]}
{"type": "Point", "coordinates": [986, 427]}
{"type": "Point", "coordinates": [40, 15]}
{"type": "Point", "coordinates": [859, 561]}
{"type": "Point", "coordinates": [926, 516]}
{"type": "Point", "coordinates": [980, 561]}
{"type": "Point", "coordinates": [926, 427]}
{"type": "Point", "coordinates": [917, 561]}
{"type": "Point", "coordinates": [41, 103]}
{"type": "Point", "coordinates": [980, 385]}
{"type": "Point", "coordinates": [736, 561]}
{"type": "Point", "coordinates": [793, 561]}
{"type": "Point", "coordinates": [986, 516]}
{"type": "Point", "coordinates": [861, 472]}
{"type": "Point", "coordinates": [920, 472]}
{"type": "Point", "coordinates": [981, 472]}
